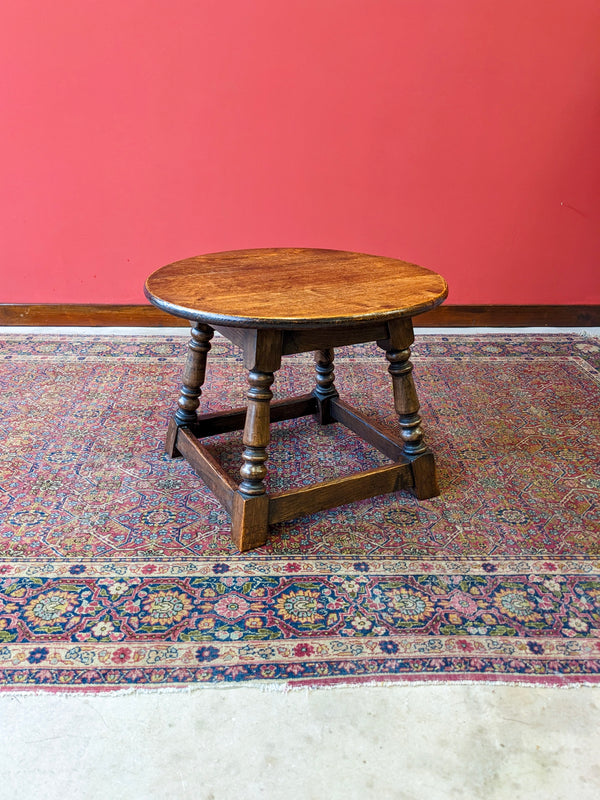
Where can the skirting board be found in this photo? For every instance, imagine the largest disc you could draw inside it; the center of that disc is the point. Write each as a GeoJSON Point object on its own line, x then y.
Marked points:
{"type": "Point", "coordinates": [446, 316]}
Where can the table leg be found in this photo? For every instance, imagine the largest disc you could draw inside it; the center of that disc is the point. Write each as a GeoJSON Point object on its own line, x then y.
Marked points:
{"type": "Point", "coordinates": [192, 381]}
{"type": "Point", "coordinates": [250, 510]}
{"type": "Point", "coordinates": [406, 402]}
{"type": "Point", "coordinates": [325, 389]}
{"type": "Point", "coordinates": [250, 506]}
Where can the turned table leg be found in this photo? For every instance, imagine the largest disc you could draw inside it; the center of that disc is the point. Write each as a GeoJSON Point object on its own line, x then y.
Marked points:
{"type": "Point", "coordinates": [191, 388]}
{"type": "Point", "coordinates": [256, 434]}
{"type": "Point", "coordinates": [250, 508]}
{"type": "Point", "coordinates": [325, 389]}
{"type": "Point", "coordinates": [406, 402]}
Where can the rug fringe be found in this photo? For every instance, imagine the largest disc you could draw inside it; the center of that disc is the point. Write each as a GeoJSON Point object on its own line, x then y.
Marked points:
{"type": "Point", "coordinates": [285, 687]}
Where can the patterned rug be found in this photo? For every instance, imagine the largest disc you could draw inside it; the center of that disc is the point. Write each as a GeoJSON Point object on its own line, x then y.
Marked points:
{"type": "Point", "coordinates": [116, 566]}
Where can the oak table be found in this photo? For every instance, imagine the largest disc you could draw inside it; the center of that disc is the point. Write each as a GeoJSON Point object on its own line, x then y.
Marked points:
{"type": "Point", "coordinates": [276, 302]}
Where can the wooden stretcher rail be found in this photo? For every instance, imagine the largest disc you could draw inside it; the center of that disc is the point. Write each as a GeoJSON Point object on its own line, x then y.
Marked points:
{"type": "Point", "coordinates": [378, 435]}
{"type": "Point", "coordinates": [234, 420]}
{"type": "Point", "coordinates": [310, 499]}
{"type": "Point", "coordinates": [207, 467]}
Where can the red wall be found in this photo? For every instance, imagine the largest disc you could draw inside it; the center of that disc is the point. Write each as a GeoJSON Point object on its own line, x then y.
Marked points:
{"type": "Point", "coordinates": [460, 134]}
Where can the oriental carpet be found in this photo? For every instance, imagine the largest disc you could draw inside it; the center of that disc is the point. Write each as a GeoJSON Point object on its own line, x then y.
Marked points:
{"type": "Point", "coordinates": [116, 566]}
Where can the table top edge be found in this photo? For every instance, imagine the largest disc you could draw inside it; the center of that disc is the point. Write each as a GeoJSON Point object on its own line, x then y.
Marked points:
{"type": "Point", "coordinates": [288, 323]}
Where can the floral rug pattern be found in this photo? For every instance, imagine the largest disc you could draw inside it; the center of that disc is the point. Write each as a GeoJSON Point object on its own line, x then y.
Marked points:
{"type": "Point", "coordinates": [116, 566]}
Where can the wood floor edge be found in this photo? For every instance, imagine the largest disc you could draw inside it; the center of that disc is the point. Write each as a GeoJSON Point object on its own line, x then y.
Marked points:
{"type": "Point", "coordinates": [446, 316]}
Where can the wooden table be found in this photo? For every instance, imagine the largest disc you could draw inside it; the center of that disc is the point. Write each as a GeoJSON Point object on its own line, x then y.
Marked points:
{"type": "Point", "coordinates": [275, 302]}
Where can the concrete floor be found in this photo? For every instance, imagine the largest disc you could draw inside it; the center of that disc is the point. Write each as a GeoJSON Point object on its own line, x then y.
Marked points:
{"type": "Point", "coordinates": [404, 742]}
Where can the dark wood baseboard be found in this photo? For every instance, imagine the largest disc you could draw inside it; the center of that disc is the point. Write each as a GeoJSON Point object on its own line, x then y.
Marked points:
{"type": "Point", "coordinates": [446, 316]}
{"type": "Point", "coordinates": [138, 316]}
{"type": "Point", "coordinates": [449, 316]}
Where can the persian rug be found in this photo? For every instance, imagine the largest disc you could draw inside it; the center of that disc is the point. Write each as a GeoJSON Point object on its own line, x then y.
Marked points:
{"type": "Point", "coordinates": [116, 566]}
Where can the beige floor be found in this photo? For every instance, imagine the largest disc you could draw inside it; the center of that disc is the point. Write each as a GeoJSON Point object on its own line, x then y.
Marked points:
{"type": "Point", "coordinates": [405, 742]}
{"type": "Point", "coordinates": [434, 742]}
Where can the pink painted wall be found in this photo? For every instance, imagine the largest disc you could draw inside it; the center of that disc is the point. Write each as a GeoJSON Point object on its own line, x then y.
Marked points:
{"type": "Point", "coordinates": [460, 134]}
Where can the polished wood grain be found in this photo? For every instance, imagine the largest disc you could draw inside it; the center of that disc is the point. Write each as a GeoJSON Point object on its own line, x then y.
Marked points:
{"type": "Point", "coordinates": [446, 316]}
{"type": "Point", "coordinates": [293, 288]}
{"type": "Point", "coordinates": [276, 302]}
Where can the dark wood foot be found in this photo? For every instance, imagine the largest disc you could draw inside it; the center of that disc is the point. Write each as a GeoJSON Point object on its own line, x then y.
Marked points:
{"type": "Point", "coordinates": [424, 476]}
{"type": "Point", "coordinates": [249, 521]}
{"type": "Point", "coordinates": [191, 388]}
{"type": "Point", "coordinates": [170, 448]}
{"type": "Point", "coordinates": [325, 389]}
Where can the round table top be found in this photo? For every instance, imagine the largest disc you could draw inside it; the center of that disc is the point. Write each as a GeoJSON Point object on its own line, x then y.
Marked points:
{"type": "Point", "coordinates": [293, 288]}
